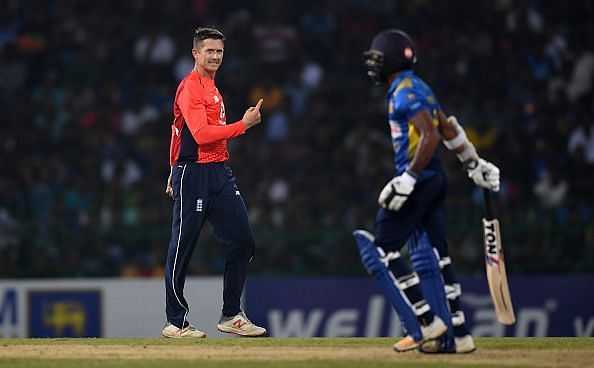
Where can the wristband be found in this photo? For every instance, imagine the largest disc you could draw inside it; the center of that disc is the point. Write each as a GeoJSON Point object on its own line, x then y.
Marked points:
{"type": "Point", "coordinates": [457, 141]}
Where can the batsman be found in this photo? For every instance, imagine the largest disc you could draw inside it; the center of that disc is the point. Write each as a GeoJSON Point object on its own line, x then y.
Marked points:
{"type": "Point", "coordinates": [411, 211]}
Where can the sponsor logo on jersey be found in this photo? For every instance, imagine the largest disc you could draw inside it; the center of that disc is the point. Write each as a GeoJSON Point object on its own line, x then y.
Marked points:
{"type": "Point", "coordinates": [395, 129]}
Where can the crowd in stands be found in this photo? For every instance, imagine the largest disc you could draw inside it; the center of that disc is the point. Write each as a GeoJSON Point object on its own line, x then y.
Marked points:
{"type": "Point", "coordinates": [86, 91]}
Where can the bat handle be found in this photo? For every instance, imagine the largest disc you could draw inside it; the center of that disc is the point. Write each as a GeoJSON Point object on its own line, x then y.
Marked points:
{"type": "Point", "coordinates": [487, 205]}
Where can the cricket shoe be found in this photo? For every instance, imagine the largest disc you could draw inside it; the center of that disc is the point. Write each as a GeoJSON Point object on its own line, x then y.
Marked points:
{"type": "Point", "coordinates": [430, 332]}
{"type": "Point", "coordinates": [406, 343]}
{"type": "Point", "coordinates": [240, 325]}
{"type": "Point", "coordinates": [189, 332]}
{"type": "Point", "coordinates": [463, 345]}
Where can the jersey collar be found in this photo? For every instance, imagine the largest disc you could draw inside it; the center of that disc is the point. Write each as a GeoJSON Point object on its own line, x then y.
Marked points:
{"type": "Point", "coordinates": [399, 78]}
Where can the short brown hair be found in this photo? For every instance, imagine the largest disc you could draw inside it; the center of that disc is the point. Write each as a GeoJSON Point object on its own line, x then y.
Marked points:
{"type": "Point", "coordinates": [203, 33]}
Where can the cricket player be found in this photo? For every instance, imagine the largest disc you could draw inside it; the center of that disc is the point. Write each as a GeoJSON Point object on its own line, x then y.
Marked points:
{"type": "Point", "coordinates": [204, 188]}
{"type": "Point", "coordinates": [412, 204]}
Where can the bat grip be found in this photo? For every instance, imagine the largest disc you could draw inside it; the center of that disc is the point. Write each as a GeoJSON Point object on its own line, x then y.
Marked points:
{"type": "Point", "coordinates": [487, 205]}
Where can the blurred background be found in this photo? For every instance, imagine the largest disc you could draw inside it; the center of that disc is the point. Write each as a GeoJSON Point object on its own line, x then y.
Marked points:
{"type": "Point", "coordinates": [86, 92]}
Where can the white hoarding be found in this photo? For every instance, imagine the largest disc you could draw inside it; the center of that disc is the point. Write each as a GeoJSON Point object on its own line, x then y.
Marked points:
{"type": "Point", "coordinates": [102, 307]}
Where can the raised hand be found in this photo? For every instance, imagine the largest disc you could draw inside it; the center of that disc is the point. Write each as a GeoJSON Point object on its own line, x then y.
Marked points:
{"type": "Point", "coordinates": [252, 115]}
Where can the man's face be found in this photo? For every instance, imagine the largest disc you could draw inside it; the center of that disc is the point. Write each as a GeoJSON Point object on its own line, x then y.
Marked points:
{"type": "Point", "coordinates": [210, 55]}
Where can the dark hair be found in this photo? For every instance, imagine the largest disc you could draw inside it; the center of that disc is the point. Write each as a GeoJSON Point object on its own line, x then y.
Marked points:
{"type": "Point", "coordinates": [203, 33]}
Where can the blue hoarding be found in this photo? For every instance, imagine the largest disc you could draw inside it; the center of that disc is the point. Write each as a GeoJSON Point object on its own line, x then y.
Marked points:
{"type": "Point", "coordinates": [544, 306]}
{"type": "Point", "coordinates": [65, 313]}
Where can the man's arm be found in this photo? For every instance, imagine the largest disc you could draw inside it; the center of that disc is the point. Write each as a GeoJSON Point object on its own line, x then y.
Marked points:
{"type": "Point", "coordinates": [454, 138]}
{"type": "Point", "coordinates": [194, 113]}
{"type": "Point", "coordinates": [396, 192]}
{"type": "Point", "coordinates": [428, 142]}
{"type": "Point", "coordinates": [483, 173]}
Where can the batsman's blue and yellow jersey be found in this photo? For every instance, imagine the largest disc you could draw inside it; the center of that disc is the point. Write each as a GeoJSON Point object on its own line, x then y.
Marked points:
{"type": "Point", "coordinates": [408, 95]}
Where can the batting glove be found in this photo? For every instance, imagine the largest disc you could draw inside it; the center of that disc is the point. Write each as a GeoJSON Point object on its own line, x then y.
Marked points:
{"type": "Point", "coordinates": [484, 174]}
{"type": "Point", "coordinates": [396, 192]}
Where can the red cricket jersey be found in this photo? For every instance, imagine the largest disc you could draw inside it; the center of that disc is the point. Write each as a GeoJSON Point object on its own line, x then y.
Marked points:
{"type": "Point", "coordinates": [200, 132]}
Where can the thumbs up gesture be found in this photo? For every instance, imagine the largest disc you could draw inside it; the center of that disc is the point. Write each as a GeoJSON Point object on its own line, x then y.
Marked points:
{"type": "Point", "coordinates": [252, 115]}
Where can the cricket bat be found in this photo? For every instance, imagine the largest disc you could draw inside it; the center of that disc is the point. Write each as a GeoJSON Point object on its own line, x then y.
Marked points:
{"type": "Point", "coordinates": [495, 265]}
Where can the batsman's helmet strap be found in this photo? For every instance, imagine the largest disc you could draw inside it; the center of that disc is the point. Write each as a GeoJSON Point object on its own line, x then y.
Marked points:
{"type": "Point", "coordinates": [391, 50]}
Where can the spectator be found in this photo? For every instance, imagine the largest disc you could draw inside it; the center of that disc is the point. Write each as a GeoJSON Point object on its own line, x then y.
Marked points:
{"type": "Point", "coordinates": [85, 95]}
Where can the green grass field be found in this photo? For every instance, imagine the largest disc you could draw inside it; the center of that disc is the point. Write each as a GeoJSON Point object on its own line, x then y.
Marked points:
{"type": "Point", "coordinates": [277, 352]}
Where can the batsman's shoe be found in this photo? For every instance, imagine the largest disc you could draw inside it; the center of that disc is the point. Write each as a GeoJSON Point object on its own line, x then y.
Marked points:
{"type": "Point", "coordinates": [406, 343]}
{"type": "Point", "coordinates": [430, 332]}
{"type": "Point", "coordinates": [189, 332]}
{"type": "Point", "coordinates": [463, 345]}
{"type": "Point", "coordinates": [434, 329]}
{"type": "Point", "coordinates": [240, 325]}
